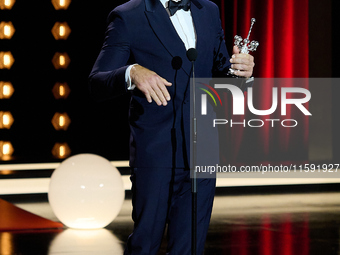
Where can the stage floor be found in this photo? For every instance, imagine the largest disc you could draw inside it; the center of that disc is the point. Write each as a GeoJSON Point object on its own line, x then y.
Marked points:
{"type": "Point", "coordinates": [242, 224]}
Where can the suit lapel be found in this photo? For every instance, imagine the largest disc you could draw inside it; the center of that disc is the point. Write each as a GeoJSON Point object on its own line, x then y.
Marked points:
{"type": "Point", "coordinates": [163, 28]}
{"type": "Point", "coordinates": [201, 28]}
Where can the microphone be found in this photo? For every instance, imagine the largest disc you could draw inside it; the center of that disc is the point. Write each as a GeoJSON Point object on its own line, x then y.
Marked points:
{"type": "Point", "coordinates": [176, 63]}
{"type": "Point", "coordinates": [192, 54]}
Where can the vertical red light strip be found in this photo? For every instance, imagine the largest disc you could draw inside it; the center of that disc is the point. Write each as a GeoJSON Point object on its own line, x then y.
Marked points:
{"type": "Point", "coordinates": [287, 238]}
{"type": "Point", "coordinates": [241, 27]}
{"type": "Point", "coordinates": [240, 237]}
{"type": "Point", "coordinates": [267, 41]}
{"type": "Point", "coordinates": [237, 132]}
{"type": "Point", "coordinates": [265, 95]}
{"type": "Point", "coordinates": [301, 9]}
{"type": "Point", "coordinates": [266, 236]}
{"type": "Point", "coordinates": [223, 14]}
{"type": "Point", "coordinates": [303, 248]}
{"type": "Point", "coordinates": [301, 49]}
{"type": "Point", "coordinates": [286, 56]}
{"type": "Point", "coordinates": [285, 40]}
{"type": "Point", "coordinates": [235, 17]}
{"type": "Point", "coordinates": [282, 30]}
{"type": "Point", "coordinates": [294, 65]}
{"type": "Point", "coordinates": [247, 16]}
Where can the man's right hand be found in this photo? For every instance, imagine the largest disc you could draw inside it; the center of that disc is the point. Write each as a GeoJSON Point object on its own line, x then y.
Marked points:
{"type": "Point", "coordinates": [151, 84]}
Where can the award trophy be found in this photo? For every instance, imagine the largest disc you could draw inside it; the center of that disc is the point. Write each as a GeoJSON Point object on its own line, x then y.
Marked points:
{"type": "Point", "coordinates": [244, 46]}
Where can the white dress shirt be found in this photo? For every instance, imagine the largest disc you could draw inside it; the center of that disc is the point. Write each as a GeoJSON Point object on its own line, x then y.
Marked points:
{"type": "Point", "coordinates": [183, 23]}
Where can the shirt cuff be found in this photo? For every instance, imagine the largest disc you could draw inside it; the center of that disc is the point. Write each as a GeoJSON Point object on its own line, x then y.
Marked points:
{"type": "Point", "coordinates": [129, 84]}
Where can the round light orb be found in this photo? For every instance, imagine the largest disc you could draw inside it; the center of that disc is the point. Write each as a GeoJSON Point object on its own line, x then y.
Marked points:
{"type": "Point", "coordinates": [86, 192]}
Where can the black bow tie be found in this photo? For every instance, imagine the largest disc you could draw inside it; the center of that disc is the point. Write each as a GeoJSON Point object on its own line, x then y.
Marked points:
{"type": "Point", "coordinates": [175, 6]}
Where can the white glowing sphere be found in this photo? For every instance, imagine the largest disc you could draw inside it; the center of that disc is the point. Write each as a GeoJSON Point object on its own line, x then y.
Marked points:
{"type": "Point", "coordinates": [86, 192]}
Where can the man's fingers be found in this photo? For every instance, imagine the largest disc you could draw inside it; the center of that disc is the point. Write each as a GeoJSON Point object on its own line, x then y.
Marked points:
{"type": "Point", "coordinates": [164, 89]}
{"type": "Point", "coordinates": [155, 98]}
{"type": "Point", "coordinates": [243, 64]}
{"type": "Point", "coordinates": [166, 83]}
{"type": "Point", "coordinates": [148, 97]}
{"type": "Point", "coordinates": [242, 59]}
{"type": "Point", "coordinates": [151, 84]}
{"type": "Point", "coordinates": [236, 50]}
{"type": "Point", "coordinates": [158, 91]}
{"type": "Point", "coordinates": [243, 73]}
{"type": "Point", "coordinates": [160, 95]}
{"type": "Point", "coordinates": [242, 67]}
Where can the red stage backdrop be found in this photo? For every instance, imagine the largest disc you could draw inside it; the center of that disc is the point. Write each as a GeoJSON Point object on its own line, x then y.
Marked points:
{"type": "Point", "coordinates": [282, 30]}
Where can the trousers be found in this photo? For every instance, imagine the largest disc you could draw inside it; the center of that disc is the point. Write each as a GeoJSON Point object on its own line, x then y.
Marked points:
{"type": "Point", "coordinates": [160, 197]}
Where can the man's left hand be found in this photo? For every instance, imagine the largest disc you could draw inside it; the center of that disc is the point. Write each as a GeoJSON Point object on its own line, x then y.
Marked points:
{"type": "Point", "coordinates": [243, 64]}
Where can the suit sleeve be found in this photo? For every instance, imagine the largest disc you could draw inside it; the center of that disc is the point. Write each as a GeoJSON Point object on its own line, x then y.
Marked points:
{"type": "Point", "coordinates": [221, 63]}
{"type": "Point", "coordinates": [107, 78]}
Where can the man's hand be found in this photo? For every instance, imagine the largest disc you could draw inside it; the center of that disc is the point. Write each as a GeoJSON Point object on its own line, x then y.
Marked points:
{"type": "Point", "coordinates": [151, 84]}
{"type": "Point", "coordinates": [243, 64]}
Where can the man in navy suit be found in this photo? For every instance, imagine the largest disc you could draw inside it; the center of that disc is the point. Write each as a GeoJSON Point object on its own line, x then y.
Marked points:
{"type": "Point", "coordinates": [144, 53]}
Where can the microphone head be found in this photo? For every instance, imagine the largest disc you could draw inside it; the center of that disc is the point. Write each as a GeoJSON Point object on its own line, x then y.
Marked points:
{"type": "Point", "coordinates": [176, 63]}
{"type": "Point", "coordinates": [192, 54]}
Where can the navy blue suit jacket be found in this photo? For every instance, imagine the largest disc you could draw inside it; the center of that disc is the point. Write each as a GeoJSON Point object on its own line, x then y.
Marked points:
{"type": "Point", "coordinates": [140, 31]}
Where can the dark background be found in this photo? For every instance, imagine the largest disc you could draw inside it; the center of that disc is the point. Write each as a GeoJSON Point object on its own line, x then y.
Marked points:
{"type": "Point", "coordinates": [99, 128]}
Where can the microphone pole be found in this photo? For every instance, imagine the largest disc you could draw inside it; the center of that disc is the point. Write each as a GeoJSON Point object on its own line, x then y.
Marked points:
{"type": "Point", "coordinates": [192, 56]}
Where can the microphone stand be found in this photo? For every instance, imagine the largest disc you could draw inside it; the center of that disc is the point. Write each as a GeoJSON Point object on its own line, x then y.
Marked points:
{"type": "Point", "coordinates": [192, 55]}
